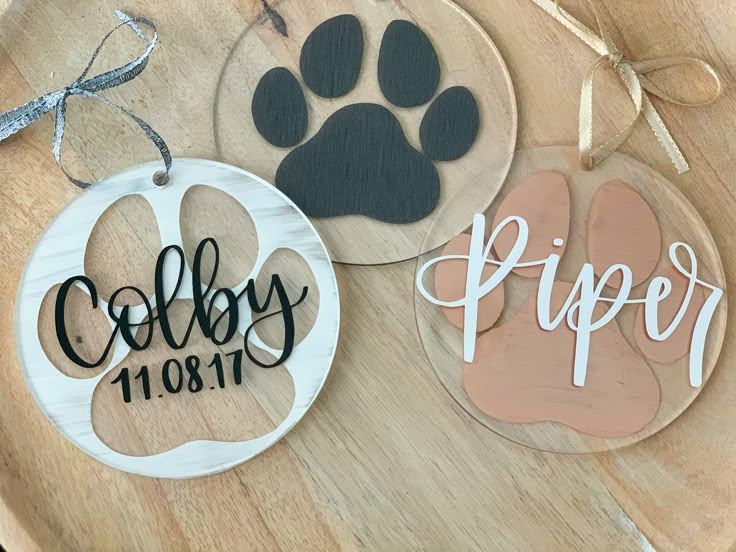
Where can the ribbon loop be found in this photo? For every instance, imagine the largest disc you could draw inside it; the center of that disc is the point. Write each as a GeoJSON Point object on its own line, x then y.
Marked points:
{"type": "Point", "coordinates": [649, 66]}
{"type": "Point", "coordinates": [17, 119]}
{"type": "Point", "coordinates": [632, 74]}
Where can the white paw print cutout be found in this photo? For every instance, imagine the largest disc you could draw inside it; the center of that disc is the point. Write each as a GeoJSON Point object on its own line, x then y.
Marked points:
{"type": "Point", "coordinates": [206, 362]}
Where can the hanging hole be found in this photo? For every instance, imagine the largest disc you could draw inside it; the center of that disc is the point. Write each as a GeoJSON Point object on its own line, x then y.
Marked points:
{"type": "Point", "coordinates": [160, 178]}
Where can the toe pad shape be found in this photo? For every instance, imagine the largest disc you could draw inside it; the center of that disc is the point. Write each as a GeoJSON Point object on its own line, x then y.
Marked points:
{"type": "Point", "coordinates": [408, 68]}
{"type": "Point", "coordinates": [279, 108]}
{"type": "Point", "coordinates": [332, 56]}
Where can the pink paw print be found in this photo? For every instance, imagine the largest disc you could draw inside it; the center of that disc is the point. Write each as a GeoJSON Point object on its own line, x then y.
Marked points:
{"type": "Point", "coordinates": [522, 373]}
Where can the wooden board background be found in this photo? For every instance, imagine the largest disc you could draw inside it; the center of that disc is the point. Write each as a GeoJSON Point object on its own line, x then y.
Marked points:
{"type": "Point", "coordinates": [385, 460]}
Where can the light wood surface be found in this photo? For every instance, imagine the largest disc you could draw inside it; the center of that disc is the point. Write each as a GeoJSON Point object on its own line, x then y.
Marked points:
{"type": "Point", "coordinates": [385, 460]}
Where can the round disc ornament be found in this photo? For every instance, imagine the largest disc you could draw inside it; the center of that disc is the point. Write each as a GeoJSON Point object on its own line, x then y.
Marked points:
{"type": "Point", "coordinates": [583, 311]}
{"type": "Point", "coordinates": [177, 331]}
{"type": "Point", "coordinates": [368, 115]}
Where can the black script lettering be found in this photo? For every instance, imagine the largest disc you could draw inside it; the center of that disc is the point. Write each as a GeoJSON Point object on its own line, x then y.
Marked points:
{"type": "Point", "coordinates": [204, 314]}
{"type": "Point", "coordinates": [128, 331]}
{"type": "Point", "coordinates": [204, 298]}
{"type": "Point", "coordinates": [60, 322]}
{"type": "Point", "coordinates": [286, 311]}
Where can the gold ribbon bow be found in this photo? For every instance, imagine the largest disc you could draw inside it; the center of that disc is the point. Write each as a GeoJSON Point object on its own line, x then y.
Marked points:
{"type": "Point", "coordinates": [632, 74]}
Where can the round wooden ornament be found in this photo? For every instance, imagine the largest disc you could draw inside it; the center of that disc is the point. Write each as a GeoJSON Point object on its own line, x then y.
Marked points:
{"type": "Point", "coordinates": [582, 312]}
{"type": "Point", "coordinates": [369, 116]}
{"type": "Point", "coordinates": [220, 312]}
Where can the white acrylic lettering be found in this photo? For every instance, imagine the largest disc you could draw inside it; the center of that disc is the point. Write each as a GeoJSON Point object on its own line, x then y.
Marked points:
{"type": "Point", "coordinates": [578, 315]}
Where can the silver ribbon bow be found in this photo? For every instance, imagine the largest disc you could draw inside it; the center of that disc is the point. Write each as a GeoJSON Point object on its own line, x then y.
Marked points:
{"type": "Point", "coordinates": [20, 117]}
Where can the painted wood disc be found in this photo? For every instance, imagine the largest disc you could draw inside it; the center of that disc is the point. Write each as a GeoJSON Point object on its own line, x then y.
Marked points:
{"type": "Point", "coordinates": [405, 102]}
{"type": "Point", "coordinates": [152, 323]}
{"type": "Point", "coordinates": [520, 380]}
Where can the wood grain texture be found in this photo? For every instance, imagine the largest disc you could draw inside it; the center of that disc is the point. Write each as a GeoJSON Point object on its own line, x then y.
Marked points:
{"type": "Point", "coordinates": [385, 460]}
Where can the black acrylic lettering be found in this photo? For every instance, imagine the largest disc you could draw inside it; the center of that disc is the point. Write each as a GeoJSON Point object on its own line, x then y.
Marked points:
{"type": "Point", "coordinates": [139, 336]}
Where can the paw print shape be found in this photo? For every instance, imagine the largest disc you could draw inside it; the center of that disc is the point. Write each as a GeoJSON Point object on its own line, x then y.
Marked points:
{"type": "Point", "coordinates": [144, 407]}
{"type": "Point", "coordinates": [360, 162]}
{"type": "Point", "coordinates": [524, 374]}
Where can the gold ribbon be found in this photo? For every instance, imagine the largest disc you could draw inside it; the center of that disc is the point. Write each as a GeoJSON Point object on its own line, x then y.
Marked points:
{"type": "Point", "coordinates": [632, 74]}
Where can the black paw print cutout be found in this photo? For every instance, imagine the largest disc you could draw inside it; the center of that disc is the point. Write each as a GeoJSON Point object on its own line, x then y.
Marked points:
{"type": "Point", "coordinates": [360, 162]}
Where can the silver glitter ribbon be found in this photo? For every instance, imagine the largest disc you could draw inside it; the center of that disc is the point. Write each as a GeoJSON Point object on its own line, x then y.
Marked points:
{"type": "Point", "coordinates": [20, 117]}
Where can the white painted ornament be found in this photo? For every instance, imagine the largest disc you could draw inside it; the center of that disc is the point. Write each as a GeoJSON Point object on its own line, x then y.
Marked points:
{"type": "Point", "coordinates": [59, 256]}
